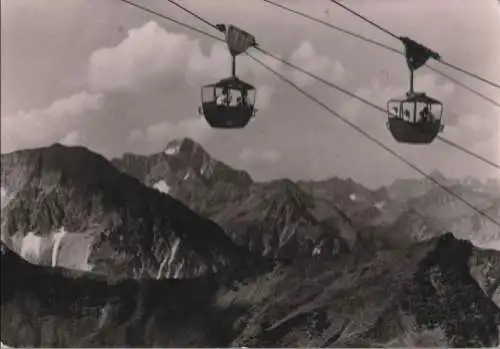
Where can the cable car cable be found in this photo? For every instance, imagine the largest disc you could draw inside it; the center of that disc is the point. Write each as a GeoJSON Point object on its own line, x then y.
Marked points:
{"type": "Point", "coordinates": [366, 19]}
{"type": "Point", "coordinates": [173, 20]}
{"type": "Point", "coordinates": [332, 26]}
{"type": "Point", "coordinates": [399, 38]}
{"type": "Point", "coordinates": [371, 104]}
{"type": "Point", "coordinates": [463, 85]}
{"type": "Point", "coordinates": [211, 36]}
{"type": "Point", "coordinates": [326, 82]}
{"type": "Point", "coordinates": [374, 140]}
{"type": "Point", "coordinates": [450, 143]}
{"type": "Point", "coordinates": [193, 14]}
{"type": "Point", "coordinates": [381, 45]}
{"type": "Point", "coordinates": [334, 113]}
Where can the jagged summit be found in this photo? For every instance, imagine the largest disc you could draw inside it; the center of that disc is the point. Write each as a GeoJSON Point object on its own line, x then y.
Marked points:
{"type": "Point", "coordinates": [183, 167]}
{"type": "Point", "coordinates": [183, 146]}
{"type": "Point", "coordinates": [186, 155]}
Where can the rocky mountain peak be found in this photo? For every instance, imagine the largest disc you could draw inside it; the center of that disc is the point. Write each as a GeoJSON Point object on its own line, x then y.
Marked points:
{"type": "Point", "coordinates": [184, 146]}
{"type": "Point", "coordinates": [54, 164]}
{"type": "Point", "coordinates": [186, 155]}
{"type": "Point", "coordinates": [182, 165]}
{"type": "Point", "coordinates": [69, 206]}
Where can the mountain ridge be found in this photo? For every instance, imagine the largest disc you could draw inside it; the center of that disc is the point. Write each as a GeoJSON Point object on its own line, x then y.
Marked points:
{"type": "Point", "coordinates": [124, 225]}
{"type": "Point", "coordinates": [400, 298]}
{"type": "Point", "coordinates": [349, 208]}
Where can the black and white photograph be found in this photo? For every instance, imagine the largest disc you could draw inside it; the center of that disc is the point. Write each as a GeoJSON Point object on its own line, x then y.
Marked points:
{"type": "Point", "coordinates": [250, 173]}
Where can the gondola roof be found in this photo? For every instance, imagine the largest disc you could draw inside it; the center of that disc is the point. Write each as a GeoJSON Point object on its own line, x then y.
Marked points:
{"type": "Point", "coordinates": [232, 83]}
{"type": "Point", "coordinates": [416, 97]}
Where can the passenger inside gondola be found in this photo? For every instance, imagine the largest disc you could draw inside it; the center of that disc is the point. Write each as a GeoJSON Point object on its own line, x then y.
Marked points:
{"type": "Point", "coordinates": [242, 101]}
{"type": "Point", "coordinates": [426, 115]}
{"type": "Point", "coordinates": [224, 98]}
{"type": "Point", "coordinates": [395, 111]}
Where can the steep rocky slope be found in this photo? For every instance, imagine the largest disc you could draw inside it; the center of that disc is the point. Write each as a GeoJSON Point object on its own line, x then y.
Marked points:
{"type": "Point", "coordinates": [70, 207]}
{"type": "Point", "coordinates": [187, 172]}
{"type": "Point", "coordinates": [425, 295]}
{"type": "Point", "coordinates": [277, 219]}
{"type": "Point", "coordinates": [53, 307]}
{"type": "Point", "coordinates": [421, 296]}
{"type": "Point", "coordinates": [362, 205]}
{"type": "Point", "coordinates": [331, 212]}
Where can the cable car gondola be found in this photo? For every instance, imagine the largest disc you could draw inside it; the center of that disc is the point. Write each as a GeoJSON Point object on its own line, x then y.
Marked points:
{"type": "Point", "coordinates": [230, 102]}
{"type": "Point", "coordinates": [415, 118]}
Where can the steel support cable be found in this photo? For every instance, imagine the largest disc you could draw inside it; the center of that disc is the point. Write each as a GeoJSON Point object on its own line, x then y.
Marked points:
{"type": "Point", "coordinates": [330, 84]}
{"type": "Point", "coordinates": [373, 105]}
{"type": "Point", "coordinates": [381, 45]}
{"type": "Point", "coordinates": [376, 141]}
{"type": "Point", "coordinates": [333, 112]}
{"type": "Point", "coordinates": [491, 83]}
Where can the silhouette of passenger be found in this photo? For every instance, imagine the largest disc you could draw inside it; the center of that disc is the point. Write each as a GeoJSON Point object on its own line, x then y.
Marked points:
{"type": "Point", "coordinates": [242, 100]}
{"type": "Point", "coordinates": [395, 111]}
{"type": "Point", "coordinates": [224, 98]}
{"type": "Point", "coordinates": [425, 115]}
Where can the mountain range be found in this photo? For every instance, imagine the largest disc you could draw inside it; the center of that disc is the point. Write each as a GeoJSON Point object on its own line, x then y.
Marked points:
{"type": "Point", "coordinates": [70, 207]}
{"type": "Point", "coordinates": [335, 209]}
{"type": "Point", "coordinates": [154, 250]}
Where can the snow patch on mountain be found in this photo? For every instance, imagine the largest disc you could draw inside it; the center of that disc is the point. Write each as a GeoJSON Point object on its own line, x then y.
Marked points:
{"type": "Point", "coordinates": [207, 168]}
{"type": "Point", "coordinates": [57, 237]}
{"type": "Point", "coordinates": [172, 148]}
{"type": "Point", "coordinates": [352, 197]}
{"type": "Point", "coordinates": [5, 197]}
{"type": "Point", "coordinates": [31, 246]}
{"type": "Point", "coordinates": [168, 261]}
{"type": "Point", "coordinates": [3, 346]}
{"type": "Point", "coordinates": [57, 249]}
{"type": "Point", "coordinates": [162, 186]}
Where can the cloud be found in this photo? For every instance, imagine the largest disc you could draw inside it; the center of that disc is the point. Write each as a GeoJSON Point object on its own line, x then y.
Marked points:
{"type": "Point", "coordinates": [151, 53]}
{"type": "Point", "coordinates": [250, 156]}
{"type": "Point", "coordinates": [306, 57]}
{"type": "Point", "coordinates": [474, 129]}
{"type": "Point", "coordinates": [145, 52]}
{"type": "Point", "coordinates": [144, 71]}
{"type": "Point", "coordinates": [72, 138]}
{"type": "Point", "coordinates": [39, 127]}
{"type": "Point", "coordinates": [264, 96]}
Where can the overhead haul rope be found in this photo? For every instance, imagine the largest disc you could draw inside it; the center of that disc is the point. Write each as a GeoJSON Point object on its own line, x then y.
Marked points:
{"type": "Point", "coordinates": [334, 86]}
{"type": "Point", "coordinates": [381, 45]}
{"type": "Point", "coordinates": [333, 112]}
{"type": "Point", "coordinates": [357, 14]}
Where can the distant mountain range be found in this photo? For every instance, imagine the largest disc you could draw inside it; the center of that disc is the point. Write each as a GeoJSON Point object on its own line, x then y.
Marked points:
{"type": "Point", "coordinates": [336, 208]}
{"type": "Point", "coordinates": [90, 248]}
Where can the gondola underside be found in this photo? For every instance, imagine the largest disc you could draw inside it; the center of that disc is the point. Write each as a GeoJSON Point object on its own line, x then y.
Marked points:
{"type": "Point", "coordinates": [227, 116]}
{"type": "Point", "coordinates": [413, 133]}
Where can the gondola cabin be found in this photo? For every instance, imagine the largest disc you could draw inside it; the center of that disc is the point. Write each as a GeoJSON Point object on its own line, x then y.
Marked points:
{"type": "Point", "coordinates": [415, 119]}
{"type": "Point", "coordinates": [228, 103]}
